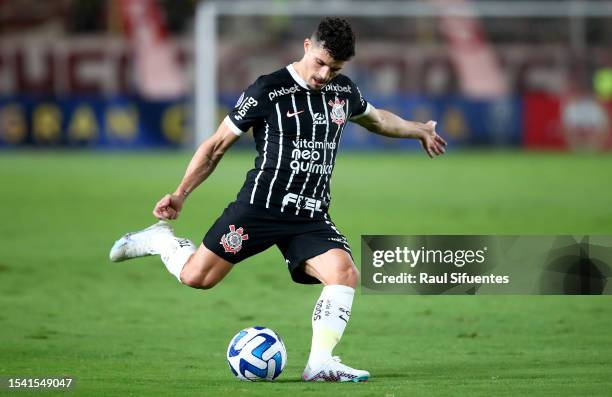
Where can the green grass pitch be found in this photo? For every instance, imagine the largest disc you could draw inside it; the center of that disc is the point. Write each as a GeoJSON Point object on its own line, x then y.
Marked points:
{"type": "Point", "coordinates": [131, 329]}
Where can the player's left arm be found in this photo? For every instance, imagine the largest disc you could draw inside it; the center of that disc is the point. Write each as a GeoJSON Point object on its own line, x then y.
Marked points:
{"type": "Point", "coordinates": [389, 124]}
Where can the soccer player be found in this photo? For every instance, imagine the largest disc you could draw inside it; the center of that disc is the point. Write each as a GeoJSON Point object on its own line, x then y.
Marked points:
{"type": "Point", "coordinates": [297, 115]}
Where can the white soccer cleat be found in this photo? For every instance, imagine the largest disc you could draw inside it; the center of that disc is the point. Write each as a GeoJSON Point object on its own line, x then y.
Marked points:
{"type": "Point", "coordinates": [142, 243]}
{"type": "Point", "coordinates": [333, 370]}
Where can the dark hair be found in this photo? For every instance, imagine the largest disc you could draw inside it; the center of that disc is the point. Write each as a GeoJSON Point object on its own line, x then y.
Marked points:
{"type": "Point", "coordinates": [336, 36]}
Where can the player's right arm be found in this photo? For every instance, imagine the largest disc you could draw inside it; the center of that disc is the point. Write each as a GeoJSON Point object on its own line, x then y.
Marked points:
{"type": "Point", "coordinates": [200, 167]}
{"type": "Point", "coordinates": [251, 108]}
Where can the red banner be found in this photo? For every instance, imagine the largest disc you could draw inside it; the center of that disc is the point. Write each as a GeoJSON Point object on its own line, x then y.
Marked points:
{"type": "Point", "coordinates": [576, 123]}
{"type": "Point", "coordinates": [475, 59]}
{"type": "Point", "coordinates": [158, 73]}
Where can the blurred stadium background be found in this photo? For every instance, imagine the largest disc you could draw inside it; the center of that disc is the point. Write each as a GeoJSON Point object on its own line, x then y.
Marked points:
{"type": "Point", "coordinates": [123, 74]}
{"type": "Point", "coordinates": [98, 119]}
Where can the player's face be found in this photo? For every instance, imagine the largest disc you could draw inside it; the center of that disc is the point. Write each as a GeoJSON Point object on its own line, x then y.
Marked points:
{"type": "Point", "coordinates": [321, 68]}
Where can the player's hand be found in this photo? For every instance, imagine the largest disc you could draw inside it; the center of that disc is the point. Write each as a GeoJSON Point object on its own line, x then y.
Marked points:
{"type": "Point", "coordinates": [433, 143]}
{"type": "Point", "coordinates": [168, 207]}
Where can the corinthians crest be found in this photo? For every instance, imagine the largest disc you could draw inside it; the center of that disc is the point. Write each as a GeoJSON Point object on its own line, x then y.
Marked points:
{"type": "Point", "coordinates": [337, 113]}
{"type": "Point", "coordinates": [232, 241]}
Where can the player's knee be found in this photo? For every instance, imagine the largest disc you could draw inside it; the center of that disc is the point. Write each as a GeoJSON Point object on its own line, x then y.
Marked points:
{"type": "Point", "coordinates": [348, 275]}
{"type": "Point", "coordinates": [208, 283]}
{"type": "Point", "coordinates": [188, 280]}
{"type": "Point", "coordinates": [198, 281]}
{"type": "Point", "coordinates": [353, 276]}
{"type": "Point", "coordinates": [204, 285]}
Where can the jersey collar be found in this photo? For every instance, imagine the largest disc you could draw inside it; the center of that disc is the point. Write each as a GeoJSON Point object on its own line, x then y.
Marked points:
{"type": "Point", "coordinates": [297, 77]}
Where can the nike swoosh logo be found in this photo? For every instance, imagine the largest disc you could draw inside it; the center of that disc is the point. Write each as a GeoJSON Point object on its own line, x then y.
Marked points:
{"type": "Point", "coordinates": [289, 114]}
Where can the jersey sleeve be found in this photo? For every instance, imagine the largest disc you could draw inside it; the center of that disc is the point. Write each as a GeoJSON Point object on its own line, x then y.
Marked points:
{"type": "Point", "coordinates": [359, 106]}
{"type": "Point", "coordinates": [250, 109]}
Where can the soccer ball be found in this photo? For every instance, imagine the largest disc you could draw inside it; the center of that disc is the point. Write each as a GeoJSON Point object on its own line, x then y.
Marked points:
{"type": "Point", "coordinates": [256, 353]}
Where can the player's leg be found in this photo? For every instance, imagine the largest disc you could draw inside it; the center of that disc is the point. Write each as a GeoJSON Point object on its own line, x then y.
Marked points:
{"type": "Point", "coordinates": [336, 270]}
{"type": "Point", "coordinates": [334, 267]}
{"type": "Point", "coordinates": [199, 268]}
{"type": "Point", "coordinates": [226, 243]}
{"type": "Point", "coordinates": [320, 254]}
{"type": "Point", "coordinates": [204, 269]}
{"type": "Point", "coordinates": [158, 239]}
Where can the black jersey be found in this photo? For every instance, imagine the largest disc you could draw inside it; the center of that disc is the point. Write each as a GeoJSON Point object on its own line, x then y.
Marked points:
{"type": "Point", "coordinates": [296, 133]}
